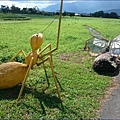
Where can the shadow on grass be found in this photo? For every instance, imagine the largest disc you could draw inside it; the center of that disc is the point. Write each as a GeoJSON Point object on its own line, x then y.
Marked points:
{"type": "Point", "coordinates": [44, 102]}
{"type": "Point", "coordinates": [12, 93]}
{"type": "Point", "coordinates": [45, 99]}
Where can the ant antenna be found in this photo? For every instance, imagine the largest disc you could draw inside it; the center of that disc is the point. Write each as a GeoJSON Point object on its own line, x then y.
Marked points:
{"type": "Point", "coordinates": [49, 24]}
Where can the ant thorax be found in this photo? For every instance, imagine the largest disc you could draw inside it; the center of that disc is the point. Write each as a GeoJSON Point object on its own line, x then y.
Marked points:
{"type": "Point", "coordinates": [29, 56]}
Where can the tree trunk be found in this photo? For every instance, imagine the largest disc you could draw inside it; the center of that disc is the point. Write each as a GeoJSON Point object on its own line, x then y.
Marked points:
{"type": "Point", "coordinates": [105, 64]}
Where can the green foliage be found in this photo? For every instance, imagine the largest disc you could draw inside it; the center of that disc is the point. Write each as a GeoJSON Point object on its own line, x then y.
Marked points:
{"type": "Point", "coordinates": [81, 88]}
{"type": "Point", "coordinates": [105, 15]}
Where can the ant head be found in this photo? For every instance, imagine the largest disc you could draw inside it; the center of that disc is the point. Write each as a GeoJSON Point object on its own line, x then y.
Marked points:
{"type": "Point", "coordinates": [36, 41]}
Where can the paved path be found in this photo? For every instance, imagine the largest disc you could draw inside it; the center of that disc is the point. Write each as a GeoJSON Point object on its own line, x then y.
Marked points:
{"type": "Point", "coordinates": [111, 108]}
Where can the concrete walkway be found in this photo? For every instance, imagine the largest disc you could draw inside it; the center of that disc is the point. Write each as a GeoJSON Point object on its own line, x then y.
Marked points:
{"type": "Point", "coordinates": [111, 107]}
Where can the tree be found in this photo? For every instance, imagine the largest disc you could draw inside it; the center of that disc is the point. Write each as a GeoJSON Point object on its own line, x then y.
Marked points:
{"type": "Point", "coordinates": [15, 9]}
{"type": "Point", "coordinates": [101, 13]}
{"type": "Point", "coordinates": [106, 15]}
{"type": "Point", "coordinates": [4, 9]}
{"type": "Point", "coordinates": [96, 14]}
{"type": "Point", "coordinates": [113, 15]}
{"type": "Point", "coordinates": [64, 13]}
{"type": "Point", "coordinates": [24, 11]}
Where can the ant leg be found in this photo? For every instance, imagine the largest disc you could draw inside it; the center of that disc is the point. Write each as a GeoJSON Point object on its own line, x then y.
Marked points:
{"type": "Point", "coordinates": [46, 74]}
{"type": "Point", "coordinates": [18, 54]}
{"type": "Point", "coordinates": [44, 69]}
{"type": "Point", "coordinates": [42, 58]}
{"type": "Point", "coordinates": [23, 84]}
{"type": "Point", "coordinates": [55, 80]}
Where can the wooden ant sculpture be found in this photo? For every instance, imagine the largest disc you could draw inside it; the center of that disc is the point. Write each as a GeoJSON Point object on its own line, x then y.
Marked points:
{"type": "Point", "coordinates": [13, 73]}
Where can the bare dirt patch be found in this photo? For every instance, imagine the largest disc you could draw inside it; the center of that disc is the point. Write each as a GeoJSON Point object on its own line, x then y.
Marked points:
{"type": "Point", "coordinates": [72, 57]}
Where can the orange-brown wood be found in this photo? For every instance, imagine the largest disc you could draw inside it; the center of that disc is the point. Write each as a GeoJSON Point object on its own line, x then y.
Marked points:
{"type": "Point", "coordinates": [11, 74]}
{"type": "Point", "coordinates": [36, 41]}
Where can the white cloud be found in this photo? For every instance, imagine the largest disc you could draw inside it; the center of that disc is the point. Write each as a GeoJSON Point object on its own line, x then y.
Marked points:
{"type": "Point", "coordinates": [28, 4]}
{"type": "Point", "coordinates": [39, 3]}
{"type": "Point", "coordinates": [31, 3]}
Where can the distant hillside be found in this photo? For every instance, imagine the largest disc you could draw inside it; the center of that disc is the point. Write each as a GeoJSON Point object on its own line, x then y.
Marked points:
{"type": "Point", "coordinates": [86, 6]}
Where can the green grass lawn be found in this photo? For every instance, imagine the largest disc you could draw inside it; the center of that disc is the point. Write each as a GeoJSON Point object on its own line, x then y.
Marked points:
{"type": "Point", "coordinates": [81, 88]}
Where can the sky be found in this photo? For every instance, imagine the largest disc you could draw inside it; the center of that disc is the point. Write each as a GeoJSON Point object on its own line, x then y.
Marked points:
{"type": "Point", "coordinates": [39, 3]}
{"type": "Point", "coordinates": [31, 3]}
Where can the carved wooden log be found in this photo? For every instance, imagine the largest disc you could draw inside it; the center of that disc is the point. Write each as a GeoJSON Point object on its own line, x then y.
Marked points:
{"type": "Point", "coordinates": [105, 64]}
